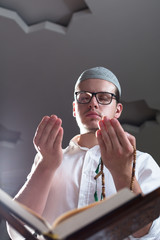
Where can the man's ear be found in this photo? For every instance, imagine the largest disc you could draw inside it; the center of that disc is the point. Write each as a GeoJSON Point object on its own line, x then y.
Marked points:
{"type": "Point", "coordinates": [74, 113]}
{"type": "Point", "coordinates": [119, 109]}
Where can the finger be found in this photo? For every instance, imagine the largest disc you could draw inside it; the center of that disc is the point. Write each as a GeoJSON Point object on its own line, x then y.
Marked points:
{"type": "Point", "coordinates": [104, 133]}
{"type": "Point", "coordinates": [122, 137]}
{"type": "Point", "coordinates": [112, 134]}
{"type": "Point", "coordinates": [47, 130]}
{"type": "Point", "coordinates": [101, 143]}
{"type": "Point", "coordinates": [53, 132]}
{"type": "Point", "coordinates": [59, 138]}
{"type": "Point", "coordinates": [131, 138]}
{"type": "Point", "coordinates": [40, 129]}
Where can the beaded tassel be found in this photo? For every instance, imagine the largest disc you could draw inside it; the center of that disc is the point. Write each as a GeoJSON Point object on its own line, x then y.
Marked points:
{"type": "Point", "coordinates": [133, 168]}
{"type": "Point", "coordinates": [100, 173]}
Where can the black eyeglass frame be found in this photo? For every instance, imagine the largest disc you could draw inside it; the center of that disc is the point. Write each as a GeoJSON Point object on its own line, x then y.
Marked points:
{"type": "Point", "coordinates": [113, 96]}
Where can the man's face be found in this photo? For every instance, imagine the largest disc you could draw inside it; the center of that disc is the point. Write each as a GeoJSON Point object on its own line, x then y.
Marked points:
{"type": "Point", "coordinates": [88, 115]}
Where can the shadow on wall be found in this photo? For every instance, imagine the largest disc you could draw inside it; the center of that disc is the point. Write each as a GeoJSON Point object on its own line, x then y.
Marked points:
{"type": "Point", "coordinates": [144, 123]}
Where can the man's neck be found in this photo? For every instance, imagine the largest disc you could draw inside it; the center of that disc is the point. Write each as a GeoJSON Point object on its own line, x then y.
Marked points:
{"type": "Point", "coordinates": [88, 140]}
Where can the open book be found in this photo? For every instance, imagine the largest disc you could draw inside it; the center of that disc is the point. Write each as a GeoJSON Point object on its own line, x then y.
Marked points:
{"type": "Point", "coordinates": [116, 217]}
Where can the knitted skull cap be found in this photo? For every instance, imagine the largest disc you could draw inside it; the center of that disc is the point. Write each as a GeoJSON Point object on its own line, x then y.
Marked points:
{"type": "Point", "coordinates": [99, 73]}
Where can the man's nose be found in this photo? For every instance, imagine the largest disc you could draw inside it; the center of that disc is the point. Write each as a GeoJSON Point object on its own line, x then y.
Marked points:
{"type": "Point", "coordinates": [93, 102]}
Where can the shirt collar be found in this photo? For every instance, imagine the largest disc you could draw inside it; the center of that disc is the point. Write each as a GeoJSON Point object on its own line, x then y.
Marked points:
{"type": "Point", "coordinates": [74, 143]}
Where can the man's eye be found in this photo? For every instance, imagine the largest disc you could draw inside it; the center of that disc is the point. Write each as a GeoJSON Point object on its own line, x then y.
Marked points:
{"type": "Point", "coordinates": [103, 97]}
{"type": "Point", "coordinates": [85, 97]}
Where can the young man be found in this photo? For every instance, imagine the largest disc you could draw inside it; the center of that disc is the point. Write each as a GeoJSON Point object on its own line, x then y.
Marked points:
{"type": "Point", "coordinates": [61, 180]}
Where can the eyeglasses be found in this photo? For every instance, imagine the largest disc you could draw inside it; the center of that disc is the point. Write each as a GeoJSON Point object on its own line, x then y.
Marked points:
{"type": "Point", "coordinates": [103, 98]}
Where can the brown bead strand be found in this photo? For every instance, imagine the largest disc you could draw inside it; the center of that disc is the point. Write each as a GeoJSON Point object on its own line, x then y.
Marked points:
{"type": "Point", "coordinates": [103, 181]}
{"type": "Point", "coordinates": [133, 169]}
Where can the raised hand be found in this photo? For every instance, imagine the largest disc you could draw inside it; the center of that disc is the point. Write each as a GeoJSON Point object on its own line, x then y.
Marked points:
{"type": "Point", "coordinates": [48, 141]}
{"type": "Point", "coordinates": [116, 150]}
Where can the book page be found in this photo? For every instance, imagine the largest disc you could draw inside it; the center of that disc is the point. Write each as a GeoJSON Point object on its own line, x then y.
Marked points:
{"type": "Point", "coordinates": [75, 211]}
{"type": "Point", "coordinates": [90, 214]}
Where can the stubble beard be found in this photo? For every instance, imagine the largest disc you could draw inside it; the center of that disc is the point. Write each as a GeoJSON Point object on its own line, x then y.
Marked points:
{"type": "Point", "coordinates": [88, 129]}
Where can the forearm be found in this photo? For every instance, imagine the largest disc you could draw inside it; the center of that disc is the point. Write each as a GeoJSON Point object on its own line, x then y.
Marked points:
{"type": "Point", "coordinates": [35, 191]}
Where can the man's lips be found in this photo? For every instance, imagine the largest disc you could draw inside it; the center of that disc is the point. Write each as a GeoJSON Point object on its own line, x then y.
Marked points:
{"type": "Point", "coordinates": [93, 114]}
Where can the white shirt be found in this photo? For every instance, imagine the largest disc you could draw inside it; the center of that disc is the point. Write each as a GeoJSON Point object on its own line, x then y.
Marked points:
{"type": "Point", "coordinates": [74, 185]}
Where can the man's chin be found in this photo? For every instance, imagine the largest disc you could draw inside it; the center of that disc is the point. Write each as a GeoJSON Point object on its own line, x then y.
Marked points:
{"type": "Point", "coordinates": [92, 129]}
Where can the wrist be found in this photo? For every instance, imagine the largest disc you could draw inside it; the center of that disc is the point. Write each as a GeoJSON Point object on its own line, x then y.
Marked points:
{"type": "Point", "coordinates": [125, 182]}
{"type": "Point", "coordinates": [44, 166]}
{"type": "Point", "coordinates": [122, 180]}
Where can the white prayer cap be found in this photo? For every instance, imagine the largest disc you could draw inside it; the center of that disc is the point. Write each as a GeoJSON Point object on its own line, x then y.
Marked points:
{"type": "Point", "coordinates": [99, 73]}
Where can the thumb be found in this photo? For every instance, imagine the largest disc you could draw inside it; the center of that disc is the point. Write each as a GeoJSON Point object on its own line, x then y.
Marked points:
{"type": "Point", "coordinates": [131, 138]}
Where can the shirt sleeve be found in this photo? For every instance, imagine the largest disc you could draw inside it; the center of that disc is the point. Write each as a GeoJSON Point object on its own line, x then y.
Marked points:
{"type": "Point", "coordinates": [147, 172]}
{"type": "Point", "coordinates": [13, 234]}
